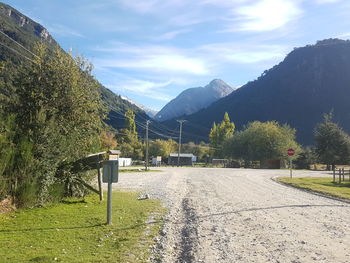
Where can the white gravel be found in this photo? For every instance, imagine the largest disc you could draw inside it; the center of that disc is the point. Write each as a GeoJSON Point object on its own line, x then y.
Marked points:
{"type": "Point", "coordinates": [241, 215]}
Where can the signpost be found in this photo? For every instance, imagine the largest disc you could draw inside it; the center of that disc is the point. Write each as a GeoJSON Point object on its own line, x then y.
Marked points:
{"type": "Point", "coordinates": [110, 175]}
{"type": "Point", "coordinates": [290, 153]}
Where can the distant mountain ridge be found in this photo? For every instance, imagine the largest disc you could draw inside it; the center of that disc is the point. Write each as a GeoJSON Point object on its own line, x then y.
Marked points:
{"type": "Point", "coordinates": [194, 99]}
{"type": "Point", "coordinates": [26, 32]}
{"type": "Point", "coordinates": [309, 82]}
{"type": "Point", "coordinates": [150, 112]}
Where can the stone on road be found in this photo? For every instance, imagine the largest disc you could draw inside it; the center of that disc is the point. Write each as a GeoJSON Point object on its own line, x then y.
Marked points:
{"type": "Point", "coordinates": [241, 215]}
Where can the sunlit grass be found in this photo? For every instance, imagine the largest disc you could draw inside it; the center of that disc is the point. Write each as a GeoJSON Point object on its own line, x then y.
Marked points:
{"type": "Point", "coordinates": [75, 231]}
{"type": "Point", "coordinates": [322, 185]}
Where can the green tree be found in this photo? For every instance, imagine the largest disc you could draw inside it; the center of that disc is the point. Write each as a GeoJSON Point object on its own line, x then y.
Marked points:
{"type": "Point", "coordinates": [130, 124]}
{"type": "Point", "coordinates": [261, 141]}
{"type": "Point", "coordinates": [306, 158]}
{"type": "Point", "coordinates": [219, 134]}
{"type": "Point", "coordinates": [108, 141]}
{"type": "Point", "coordinates": [58, 117]}
{"type": "Point", "coordinates": [128, 141]}
{"type": "Point", "coordinates": [202, 150]}
{"type": "Point", "coordinates": [332, 144]}
{"type": "Point", "coordinates": [162, 148]}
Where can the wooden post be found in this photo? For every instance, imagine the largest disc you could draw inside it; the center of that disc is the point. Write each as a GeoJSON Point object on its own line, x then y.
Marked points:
{"type": "Point", "coordinates": [333, 175]}
{"type": "Point", "coordinates": [99, 179]}
{"type": "Point", "coordinates": [343, 174]}
{"type": "Point", "coordinates": [339, 175]}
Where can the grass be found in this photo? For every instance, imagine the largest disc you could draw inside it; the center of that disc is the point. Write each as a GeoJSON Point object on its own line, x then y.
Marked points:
{"type": "Point", "coordinates": [321, 185]}
{"type": "Point", "coordinates": [75, 231]}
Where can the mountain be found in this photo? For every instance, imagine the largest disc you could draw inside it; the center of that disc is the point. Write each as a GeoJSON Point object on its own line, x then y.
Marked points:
{"type": "Point", "coordinates": [308, 83]}
{"type": "Point", "coordinates": [151, 113]}
{"type": "Point", "coordinates": [23, 30]}
{"type": "Point", "coordinates": [193, 100]}
{"type": "Point", "coordinates": [16, 27]}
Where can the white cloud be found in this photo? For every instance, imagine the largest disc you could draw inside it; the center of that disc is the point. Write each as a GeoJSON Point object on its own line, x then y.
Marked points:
{"type": "Point", "coordinates": [343, 35]}
{"type": "Point", "coordinates": [143, 88]}
{"type": "Point", "coordinates": [152, 6]}
{"type": "Point", "coordinates": [171, 34]}
{"type": "Point", "coordinates": [243, 54]}
{"type": "Point", "coordinates": [265, 15]}
{"type": "Point", "coordinates": [186, 19]}
{"type": "Point", "coordinates": [158, 59]}
{"type": "Point", "coordinates": [62, 30]}
{"type": "Point", "coordinates": [326, 1]}
{"type": "Point", "coordinates": [158, 63]}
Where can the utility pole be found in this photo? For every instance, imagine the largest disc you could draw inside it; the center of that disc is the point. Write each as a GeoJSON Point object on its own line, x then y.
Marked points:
{"type": "Point", "coordinates": [147, 144]}
{"type": "Point", "coordinates": [178, 154]}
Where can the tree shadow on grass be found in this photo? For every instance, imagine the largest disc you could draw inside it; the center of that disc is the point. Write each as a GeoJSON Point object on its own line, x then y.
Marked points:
{"type": "Point", "coordinates": [73, 202]}
{"type": "Point", "coordinates": [340, 185]}
{"type": "Point", "coordinates": [51, 228]}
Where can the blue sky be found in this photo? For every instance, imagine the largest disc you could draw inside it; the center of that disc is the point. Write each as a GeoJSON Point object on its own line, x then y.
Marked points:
{"type": "Point", "coordinates": [151, 50]}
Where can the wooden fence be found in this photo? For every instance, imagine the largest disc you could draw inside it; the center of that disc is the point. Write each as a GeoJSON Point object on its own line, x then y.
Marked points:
{"type": "Point", "coordinates": [339, 175]}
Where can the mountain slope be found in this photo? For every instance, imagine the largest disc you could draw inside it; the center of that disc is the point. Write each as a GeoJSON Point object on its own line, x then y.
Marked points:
{"type": "Point", "coordinates": [311, 81]}
{"type": "Point", "coordinates": [26, 32]}
{"type": "Point", "coordinates": [194, 99]}
{"type": "Point", "coordinates": [23, 30]}
{"type": "Point", "coordinates": [150, 112]}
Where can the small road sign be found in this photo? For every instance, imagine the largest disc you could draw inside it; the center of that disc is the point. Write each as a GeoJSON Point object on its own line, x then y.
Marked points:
{"type": "Point", "coordinates": [291, 152]}
{"type": "Point", "coordinates": [110, 175]}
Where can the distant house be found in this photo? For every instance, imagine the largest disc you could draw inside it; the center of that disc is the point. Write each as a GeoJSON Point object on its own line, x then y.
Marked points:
{"type": "Point", "coordinates": [185, 159]}
{"type": "Point", "coordinates": [124, 161]}
{"type": "Point", "coordinates": [157, 161]}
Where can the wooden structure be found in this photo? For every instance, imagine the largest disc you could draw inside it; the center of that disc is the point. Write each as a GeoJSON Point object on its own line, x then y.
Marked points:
{"type": "Point", "coordinates": [185, 159]}
{"type": "Point", "coordinates": [270, 164]}
{"type": "Point", "coordinates": [341, 175]}
{"type": "Point", "coordinates": [219, 162]}
{"type": "Point", "coordinates": [94, 161]}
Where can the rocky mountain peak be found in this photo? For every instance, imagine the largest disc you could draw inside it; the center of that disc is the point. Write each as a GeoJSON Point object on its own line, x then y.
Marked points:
{"type": "Point", "coordinates": [17, 19]}
{"type": "Point", "coordinates": [194, 99]}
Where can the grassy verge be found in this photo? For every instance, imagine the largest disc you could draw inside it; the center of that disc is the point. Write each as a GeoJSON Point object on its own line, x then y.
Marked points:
{"type": "Point", "coordinates": [75, 231]}
{"type": "Point", "coordinates": [321, 185]}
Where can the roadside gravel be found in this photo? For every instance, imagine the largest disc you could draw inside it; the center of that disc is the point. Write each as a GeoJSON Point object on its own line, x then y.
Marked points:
{"type": "Point", "coordinates": [241, 215]}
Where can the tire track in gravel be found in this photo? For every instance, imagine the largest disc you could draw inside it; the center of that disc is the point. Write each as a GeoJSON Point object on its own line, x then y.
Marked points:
{"type": "Point", "coordinates": [189, 233]}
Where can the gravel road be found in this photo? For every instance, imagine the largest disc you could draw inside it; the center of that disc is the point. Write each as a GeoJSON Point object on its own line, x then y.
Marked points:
{"type": "Point", "coordinates": [241, 215]}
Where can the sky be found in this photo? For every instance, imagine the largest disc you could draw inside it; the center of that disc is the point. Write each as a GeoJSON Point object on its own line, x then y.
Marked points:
{"type": "Point", "coordinates": [151, 50]}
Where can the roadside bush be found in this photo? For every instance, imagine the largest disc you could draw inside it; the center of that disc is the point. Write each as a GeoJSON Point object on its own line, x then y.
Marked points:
{"type": "Point", "coordinates": [305, 159]}
{"type": "Point", "coordinates": [54, 117]}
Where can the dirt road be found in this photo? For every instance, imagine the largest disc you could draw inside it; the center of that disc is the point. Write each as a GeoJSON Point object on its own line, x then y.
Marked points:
{"type": "Point", "coordinates": [241, 215]}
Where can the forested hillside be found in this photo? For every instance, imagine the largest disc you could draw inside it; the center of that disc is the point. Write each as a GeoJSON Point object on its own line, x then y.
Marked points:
{"type": "Point", "coordinates": [310, 81]}
{"type": "Point", "coordinates": [16, 27]}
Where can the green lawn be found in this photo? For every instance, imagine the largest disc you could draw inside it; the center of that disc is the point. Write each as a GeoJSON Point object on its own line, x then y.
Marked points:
{"type": "Point", "coordinates": [75, 231]}
{"type": "Point", "coordinates": [323, 185]}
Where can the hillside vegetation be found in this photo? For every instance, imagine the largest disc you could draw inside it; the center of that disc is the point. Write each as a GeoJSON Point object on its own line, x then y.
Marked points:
{"type": "Point", "coordinates": [308, 83]}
